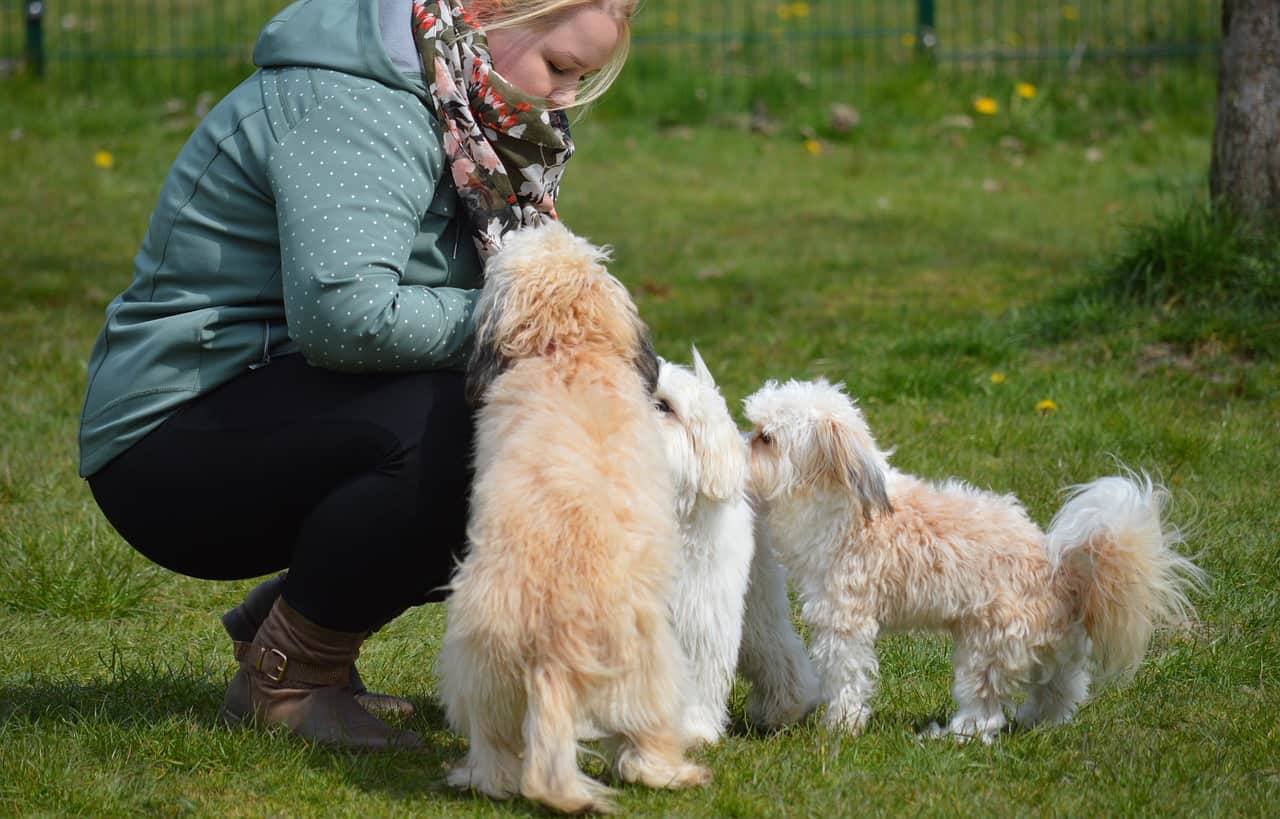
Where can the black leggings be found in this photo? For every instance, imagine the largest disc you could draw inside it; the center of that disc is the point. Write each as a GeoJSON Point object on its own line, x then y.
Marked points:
{"type": "Point", "coordinates": [356, 483]}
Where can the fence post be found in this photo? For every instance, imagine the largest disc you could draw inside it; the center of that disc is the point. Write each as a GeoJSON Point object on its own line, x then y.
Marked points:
{"type": "Point", "coordinates": [926, 33]}
{"type": "Point", "coordinates": [35, 37]}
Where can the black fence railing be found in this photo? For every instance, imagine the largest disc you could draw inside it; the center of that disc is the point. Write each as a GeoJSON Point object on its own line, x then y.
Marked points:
{"type": "Point", "coordinates": [160, 47]}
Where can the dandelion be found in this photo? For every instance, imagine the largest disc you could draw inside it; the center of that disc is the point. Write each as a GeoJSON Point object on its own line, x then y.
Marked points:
{"type": "Point", "coordinates": [813, 146]}
{"type": "Point", "coordinates": [1070, 13]}
{"type": "Point", "coordinates": [1046, 407]}
{"type": "Point", "coordinates": [793, 11]}
{"type": "Point", "coordinates": [909, 40]}
{"type": "Point", "coordinates": [997, 378]}
{"type": "Point", "coordinates": [670, 19]}
{"type": "Point", "coordinates": [104, 159]}
{"type": "Point", "coordinates": [1025, 90]}
{"type": "Point", "coordinates": [986, 105]}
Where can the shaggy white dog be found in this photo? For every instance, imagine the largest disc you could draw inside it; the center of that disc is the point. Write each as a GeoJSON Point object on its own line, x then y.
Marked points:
{"type": "Point", "coordinates": [874, 550]}
{"type": "Point", "coordinates": [708, 459]}
{"type": "Point", "coordinates": [559, 611]}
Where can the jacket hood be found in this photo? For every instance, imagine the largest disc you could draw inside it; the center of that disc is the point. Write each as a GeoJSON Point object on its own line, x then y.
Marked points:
{"type": "Point", "coordinates": [341, 35]}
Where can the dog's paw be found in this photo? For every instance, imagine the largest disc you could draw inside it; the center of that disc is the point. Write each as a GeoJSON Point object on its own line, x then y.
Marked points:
{"type": "Point", "coordinates": [673, 774]}
{"type": "Point", "coordinates": [702, 726]}
{"type": "Point", "coordinates": [851, 719]}
{"type": "Point", "coordinates": [774, 712]}
{"type": "Point", "coordinates": [966, 730]}
{"type": "Point", "coordinates": [466, 777]}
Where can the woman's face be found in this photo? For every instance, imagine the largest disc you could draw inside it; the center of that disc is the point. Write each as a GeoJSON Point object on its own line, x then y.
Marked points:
{"type": "Point", "coordinates": [548, 60]}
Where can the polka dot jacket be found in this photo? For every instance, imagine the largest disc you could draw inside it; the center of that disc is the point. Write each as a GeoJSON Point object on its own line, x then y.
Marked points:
{"type": "Point", "coordinates": [310, 212]}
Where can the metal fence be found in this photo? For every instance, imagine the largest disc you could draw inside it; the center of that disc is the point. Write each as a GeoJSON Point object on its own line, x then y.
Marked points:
{"type": "Point", "coordinates": [155, 47]}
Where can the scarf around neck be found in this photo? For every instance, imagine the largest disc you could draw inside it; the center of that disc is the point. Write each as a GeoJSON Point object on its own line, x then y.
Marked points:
{"type": "Point", "coordinates": [506, 151]}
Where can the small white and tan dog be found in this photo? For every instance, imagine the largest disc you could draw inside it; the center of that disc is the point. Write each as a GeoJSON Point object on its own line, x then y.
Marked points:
{"type": "Point", "coordinates": [874, 550]}
{"type": "Point", "coordinates": [708, 459]}
{"type": "Point", "coordinates": [558, 615]}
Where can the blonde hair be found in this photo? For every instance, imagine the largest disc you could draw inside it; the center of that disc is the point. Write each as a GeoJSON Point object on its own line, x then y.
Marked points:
{"type": "Point", "coordinates": [504, 14]}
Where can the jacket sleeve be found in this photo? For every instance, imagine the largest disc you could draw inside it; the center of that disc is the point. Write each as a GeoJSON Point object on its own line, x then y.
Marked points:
{"type": "Point", "coordinates": [352, 180]}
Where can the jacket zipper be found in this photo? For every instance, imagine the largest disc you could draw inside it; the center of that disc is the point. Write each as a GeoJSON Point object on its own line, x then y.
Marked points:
{"type": "Point", "coordinates": [266, 347]}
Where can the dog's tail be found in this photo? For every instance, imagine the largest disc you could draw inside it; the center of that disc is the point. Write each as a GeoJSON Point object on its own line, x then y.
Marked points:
{"type": "Point", "coordinates": [1112, 551]}
{"type": "Point", "coordinates": [551, 775]}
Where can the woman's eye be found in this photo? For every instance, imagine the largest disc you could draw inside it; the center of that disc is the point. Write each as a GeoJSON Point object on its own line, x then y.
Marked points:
{"type": "Point", "coordinates": [557, 70]}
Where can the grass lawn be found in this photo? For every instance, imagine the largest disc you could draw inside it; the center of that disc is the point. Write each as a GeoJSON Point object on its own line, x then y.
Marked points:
{"type": "Point", "coordinates": [949, 275]}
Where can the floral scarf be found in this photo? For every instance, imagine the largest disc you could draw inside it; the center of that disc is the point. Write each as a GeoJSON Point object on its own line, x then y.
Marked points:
{"type": "Point", "coordinates": [505, 150]}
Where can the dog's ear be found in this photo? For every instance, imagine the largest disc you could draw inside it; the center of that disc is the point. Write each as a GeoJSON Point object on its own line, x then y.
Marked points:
{"type": "Point", "coordinates": [484, 367]}
{"type": "Point", "coordinates": [487, 361]}
{"type": "Point", "coordinates": [700, 369]}
{"type": "Point", "coordinates": [722, 460]}
{"type": "Point", "coordinates": [646, 358]}
{"type": "Point", "coordinates": [852, 466]}
{"type": "Point", "coordinates": [722, 456]}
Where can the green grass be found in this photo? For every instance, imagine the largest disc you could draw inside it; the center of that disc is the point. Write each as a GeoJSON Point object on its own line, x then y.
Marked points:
{"type": "Point", "coordinates": [910, 259]}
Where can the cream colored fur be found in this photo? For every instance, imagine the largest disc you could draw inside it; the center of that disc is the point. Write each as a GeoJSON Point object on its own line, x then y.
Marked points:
{"type": "Point", "coordinates": [559, 611]}
{"type": "Point", "coordinates": [874, 550]}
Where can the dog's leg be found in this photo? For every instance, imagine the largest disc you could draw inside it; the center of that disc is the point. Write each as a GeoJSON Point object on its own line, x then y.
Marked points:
{"type": "Point", "coordinates": [1062, 685]}
{"type": "Point", "coordinates": [486, 708]}
{"type": "Point", "coordinates": [490, 768]}
{"type": "Point", "coordinates": [708, 619]}
{"type": "Point", "coordinates": [645, 711]}
{"type": "Point", "coordinates": [551, 774]}
{"type": "Point", "coordinates": [978, 688]}
{"type": "Point", "coordinates": [784, 686]}
{"type": "Point", "coordinates": [848, 667]}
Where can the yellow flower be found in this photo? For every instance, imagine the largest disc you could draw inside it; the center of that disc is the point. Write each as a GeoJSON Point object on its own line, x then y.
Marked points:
{"type": "Point", "coordinates": [1046, 406]}
{"type": "Point", "coordinates": [813, 146]}
{"type": "Point", "coordinates": [670, 19]}
{"type": "Point", "coordinates": [793, 11]}
{"type": "Point", "coordinates": [997, 378]}
{"type": "Point", "coordinates": [1070, 13]}
{"type": "Point", "coordinates": [1025, 90]}
{"type": "Point", "coordinates": [909, 40]}
{"type": "Point", "coordinates": [986, 105]}
{"type": "Point", "coordinates": [104, 159]}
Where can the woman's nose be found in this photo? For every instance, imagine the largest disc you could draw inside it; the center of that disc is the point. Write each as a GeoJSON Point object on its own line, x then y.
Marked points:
{"type": "Point", "coordinates": [563, 97]}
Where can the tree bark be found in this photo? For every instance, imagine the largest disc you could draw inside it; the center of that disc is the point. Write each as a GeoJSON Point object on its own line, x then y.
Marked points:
{"type": "Point", "coordinates": [1244, 174]}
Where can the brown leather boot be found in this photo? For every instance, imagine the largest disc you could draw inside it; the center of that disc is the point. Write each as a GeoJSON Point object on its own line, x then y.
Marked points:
{"type": "Point", "coordinates": [295, 673]}
{"type": "Point", "coordinates": [242, 622]}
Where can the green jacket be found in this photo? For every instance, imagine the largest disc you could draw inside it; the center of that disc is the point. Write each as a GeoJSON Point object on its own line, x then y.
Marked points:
{"type": "Point", "coordinates": [311, 211]}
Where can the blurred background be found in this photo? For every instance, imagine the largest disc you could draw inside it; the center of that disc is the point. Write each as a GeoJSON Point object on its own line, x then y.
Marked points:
{"type": "Point", "coordinates": [689, 55]}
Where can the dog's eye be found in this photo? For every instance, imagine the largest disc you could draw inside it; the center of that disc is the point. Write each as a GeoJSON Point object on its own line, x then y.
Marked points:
{"type": "Point", "coordinates": [764, 438]}
{"type": "Point", "coordinates": [663, 406]}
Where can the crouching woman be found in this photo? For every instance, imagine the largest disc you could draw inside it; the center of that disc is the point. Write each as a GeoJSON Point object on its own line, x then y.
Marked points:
{"type": "Point", "coordinates": [279, 388]}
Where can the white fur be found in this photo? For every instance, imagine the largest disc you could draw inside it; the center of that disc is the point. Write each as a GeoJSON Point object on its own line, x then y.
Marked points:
{"type": "Point", "coordinates": [708, 459]}
{"type": "Point", "coordinates": [873, 550]}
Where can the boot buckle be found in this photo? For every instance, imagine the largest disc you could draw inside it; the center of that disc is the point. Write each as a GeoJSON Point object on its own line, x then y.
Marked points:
{"type": "Point", "coordinates": [278, 674]}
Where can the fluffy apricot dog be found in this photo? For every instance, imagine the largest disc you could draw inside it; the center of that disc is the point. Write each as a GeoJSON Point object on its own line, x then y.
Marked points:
{"type": "Point", "coordinates": [558, 615]}
{"type": "Point", "coordinates": [874, 550]}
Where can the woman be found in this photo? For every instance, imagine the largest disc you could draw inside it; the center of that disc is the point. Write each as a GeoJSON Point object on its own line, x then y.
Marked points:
{"type": "Point", "coordinates": [279, 387]}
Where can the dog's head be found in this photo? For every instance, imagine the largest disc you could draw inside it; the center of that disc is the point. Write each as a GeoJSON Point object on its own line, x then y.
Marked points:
{"type": "Point", "coordinates": [547, 289]}
{"type": "Point", "coordinates": [707, 455]}
{"type": "Point", "coordinates": [807, 436]}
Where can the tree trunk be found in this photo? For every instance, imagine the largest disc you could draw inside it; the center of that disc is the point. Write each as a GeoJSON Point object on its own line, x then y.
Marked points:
{"type": "Point", "coordinates": [1245, 171]}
